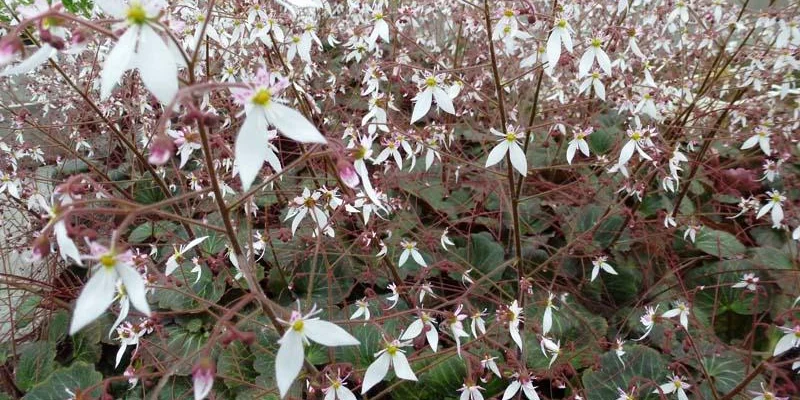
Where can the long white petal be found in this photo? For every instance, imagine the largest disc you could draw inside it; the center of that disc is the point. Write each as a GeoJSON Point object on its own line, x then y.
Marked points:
{"type": "Point", "coordinates": [344, 393]}
{"type": "Point", "coordinates": [292, 124]}
{"type": "Point", "coordinates": [784, 344]}
{"type": "Point", "coordinates": [443, 100]}
{"type": "Point", "coordinates": [497, 153]}
{"type": "Point", "coordinates": [96, 296]}
{"type": "Point", "coordinates": [750, 142]}
{"type": "Point", "coordinates": [553, 49]}
{"type": "Point", "coordinates": [376, 372]}
{"type": "Point", "coordinates": [627, 152]}
{"type": "Point", "coordinates": [29, 64]}
{"type": "Point", "coordinates": [289, 360]}
{"type": "Point", "coordinates": [120, 353]}
{"type": "Point", "coordinates": [66, 246]}
{"type": "Point", "coordinates": [413, 330]}
{"type": "Point", "coordinates": [518, 159]}
{"type": "Point", "coordinates": [134, 286]}
{"type": "Point", "coordinates": [172, 265]}
{"type": "Point", "coordinates": [573, 145]}
{"type": "Point", "coordinates": [433, 337]}
{"type": "Point", "coordinates": [250, 149]}
{"type": "Point", "coordinates": [422, 106]}
{"type": "Point", "coordinates": [156, 65]}
{"type": "Point", "coordinates": [586, 63]}
{"type": "Point", "coordinates": [604, 61]}
{"type": "Point", "coordinates": [328, 333]}
{"type": "Point", "coordinates": [401, 367]}
{"type": "Point", "coordinates": [118, 61]}
{"type": "Point", "coordinates": [194, 242]}
{"type": "Point", "coordinates": [418, 258]}
{"type": "Point", "coordinates": [511, 390]}
{"type": "Point", "coordinates": [764, 210]}
{"type": "Point", "coordinates": [112, 8]}
{"type": "Point", "coordinates": [124, 308]}
{"type": "Point", "coordinates": [547, 320]}
{"type": "Point", "coordinates": [403, 257]}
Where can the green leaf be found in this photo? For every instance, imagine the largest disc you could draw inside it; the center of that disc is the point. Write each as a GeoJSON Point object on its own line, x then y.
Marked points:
{"type": "Point", "coordinates": [725, 370]}
{"type": "Point", "coordinates": [182, 347]}
{"type": "Point", "coordinates": [771, 258]}
{"type": "Point", "coordinates": [78, 376]}
{"type": "Point", "coordinates": [719, 243]}
{"type": "Point", "coordinates": [441, 381]}
{"type": "Point", "coordinates": [235, 366]}
{"type": "Point", "coordinates": [642, 364]}
{"type": "Point", "coordinates": [36, 362]}
{"type": "Point", "coordinates": [482, 253]}
{"type": "Point", "coordinates": [146, 191]}
{"type": "Point", "coordinates": [157, 230]}
{"type": "Point", "coordinates": [209, 287]}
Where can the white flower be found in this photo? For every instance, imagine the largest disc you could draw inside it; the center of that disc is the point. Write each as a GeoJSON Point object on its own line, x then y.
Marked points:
{"type": "Point", "coordinates": [177, 256]}
{"type": "Point", "coordinates": [593, 81]}
{"type": "Point", "coordinates": [600, 263]}
{"type": "Point", "coordinates": [139, 47]}
{"type": "Point", "coordinates": [394, 297]}
{"type": "Point", "coordinates": [477, 324]}
{"type": "Point", "coordinates": [66, 246]}
{"type": "Point", "coordinates": [514, 317]}
{"type": "Point", "coordinates": [203, 378]}
{"type": "Point", "coordinates": [790, 340]}
{"type": "Point", "coordinates": [749, 281]}
{"type": "Point", "coordinates": [124, 307]}
{"type": "Point", "coordinates": [291, 354]}
{"type": "Point", "coordinates": [691, 232]}
{"type": "Point", "coordinates": [390, 355]}
{"type": "Point", "coordinates": [578, 142]}
{"type": "Point", "coordinates": [337, 390]}
{"type": "Point", "coordinates": [509, 145]}
{"type": "Point", "coordinates": [410, 249]}
{"type": "Point", "coordinates": [308, 204]}
{"type": "Point", "coordinates": [761, 138]}
{"type": "Point", "coordinates": [445, 240]}
{"type": "Point", "coordinates": [362, 309]}
{"type": "Point", "coordinates": [594, 52]}
{"type": "Point", "coordinates": [263, 108]}
{"type": "Point", "coordinates": [525, 383]}
{"type": "Point", "coordinates": [457, 327]}
{"type": "Point", "coordinates": [774, 205]}
{"type": "Point", "coordinates": [99, 292]}
{"type": "Point", "coordinates": [619, 350]}
{"type": "Point", "coordinates": [488, 363]}
{"type": "Point", "coordinates": [551, 347]}
{"type": "Point", "coordinates": [675, 385]}
{"type": "Point", "coordinates": [796, 233]}
{"type": "Point", "coordinates": [547, 318]}
{"type": "Point", "coordinates": [423, 323]}
{"type": "Point", "coordinates": [380, 29]}
{"type": "Point", "coordinates": [626, 396]}
{"type": "Point", "coordinates": [647, 319]}
{"type": "Point", "coordinates": [128, 335]}
{"type": "Point", "coordinates": [433, 88]}
{"type": "Point", "coordinates": [682, 310]}
{"type": "Point", "coordinates": [639, 140]}
{"type": "Point", "coordinates": [471, 392]}
{"type": "Point", "coordinates": [560, 34]}
{"type": "Point", "coordinates": [766, 394]}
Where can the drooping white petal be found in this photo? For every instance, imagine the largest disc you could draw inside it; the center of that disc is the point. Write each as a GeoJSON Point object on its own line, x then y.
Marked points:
{"type": "Point", "coordinates": [328, 334]}
{"type": "Point", "coordinates": [422, 106]}
{"type": "Point", "coordinates": [515, 336]}
{"type": "Point", "coordinates": [497, 153]}
{"type": "Point", "coordinates": [784, 344]}
{"type": "Point", "coordinates": [292, 124]}
{"type": "Point", "coordinates": [289, 360]}
{"type": "Point", "coordinates": [113, 8]}
{"type": "Point", "coordinates": [418, 258]}
{"type": "Point", "coordinates": [403, 257]}
{"type": "Point", "coordinates": [156, 65]}
{"type": "Point", "coordinates": [750, 142]}
{"type": "Point", "coordinates": [344, 393]}
{"type": "Point", "coordinates": [134, 287]}
{"type": "Point", "coordinates": [433, 337]}
{"type": "Point", "coordinates": [599, 89]}
{"type": "Point", "coordinates": [120, 353]}
{"type": "Point", "coordinates": [573, 145]}
{"type": "Point", "coordinates": [764, 210]}
{"type": "Point", "coordinates": [251, 147]}
{"type": "Point", "coordinates": [124, 308]}
{"type": "Point", "coordinates": [96, 296]}
{"type": "Point", "coordinates": [547, 320]}
{"type": "Point", "coordinates": [29, 64]}
{"type": "Point", "coordinates": [413, 330]}
{"type": "Point", "coordinates": [518, 160]}
{"type": "Point", "coordinates": [604, 61]}
{"type": "Point", "coordinates": [118, 61]}
{"type": "Point", "coordinates": [777, 214]}
{"type": "Point", "coordinates": [595, 271]}
{"type": "Point", "coordinates": [530, 391]}
{"type": "Point", "coordinates": [511, 390]}
{"type": "Point", "coordinates": [586, 63]}
{"type": "Point", "coordinates": [553, 49]}
{"type": "Point", "coordinates": [443, 100]}
{"type": "Point", "coordinates": [172, 265]}
{"type": "Point", "coordinates": [584, 147]}
{"type": "Point", "coordinates": [401, 367]}
{"type": "Point", "coordinates": [376, 372]}
{"type": "Point", "coordinates": [627, 152]}
{"type": "Point", "coordinates": [66, 246]}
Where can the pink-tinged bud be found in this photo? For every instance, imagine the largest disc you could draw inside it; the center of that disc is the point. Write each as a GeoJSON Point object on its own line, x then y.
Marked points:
{"type": "Point", "coordinates": [40, 248]}
{"type": "Point", "coordinates": [9, 49]}
{"type": "Point", "coordinates": [347, 173]}
{"type": "Point", "coordinates": [203, 377]}
{"type": "Point", "coordinates": [79, 38]}
{"type": "Point", "coordinates": [161, 150]}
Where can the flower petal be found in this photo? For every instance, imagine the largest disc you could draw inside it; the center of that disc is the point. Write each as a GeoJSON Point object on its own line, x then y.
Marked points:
{"type": "Point", "coordinates": [401, 367]}
{"type": "Point", "coordinates": [66, 246]}
{"type": "Point", "coordinates": [292, 124]}
{"type": "Point", "coordinates": [289, 360]}
{"type": "Point", "coordinates": [156, 65]}
{"type": "Point", "coordinates": [328, 334]}
{"type": "Point", "coordinates": [497, 153]}
{"type": "Point", "coordinates": [96, 296]}
{"type": "Point", "coordinates": [251, 147]}
{"type": "Point", "coordinates": [511, 390]}
{"type": "Point", "coordinates": [413, 330]}
{"type": "Point", "coordinates": [376, 372]}
{"type": "Point", "coordinates": [518, 159]}
{"type": "Point", "coordinates": [124, 308]}
{"type": "Point", "coordinates": [422, 106]}
{"type": "Point", "coordinates": [118, 61]}
{"type": "Point", "coordinates": [443, 100]}
{"type": "Point", "coordinates": [134, 286]}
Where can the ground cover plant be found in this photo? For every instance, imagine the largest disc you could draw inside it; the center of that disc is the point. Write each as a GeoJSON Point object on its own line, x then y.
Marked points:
{"type": "Point", "coordinates": [391, 199]}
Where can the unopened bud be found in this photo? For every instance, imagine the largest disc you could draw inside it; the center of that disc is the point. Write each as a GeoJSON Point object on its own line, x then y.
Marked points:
{"type": "Point", "coordinates": [347, 173]}
{"type": "Point", "coordinates": [161, 150]}
{"type": "Point", "coordinates": [203, 377]}
{"type": "Point", "coordinates": [9, 49]}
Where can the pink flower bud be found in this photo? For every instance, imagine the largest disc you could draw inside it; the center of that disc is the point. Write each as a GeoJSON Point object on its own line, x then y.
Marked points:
{"type": "Point", "coordinates": [9, 49]}
{"type": "Point", "coordinates": [40, 248]}
{"type": "Point", "coordinates": [347, 173]}
{"type": "Point", "coordinates": [161, 150]}
{"type": "Point", "coordinates": [203, 377]}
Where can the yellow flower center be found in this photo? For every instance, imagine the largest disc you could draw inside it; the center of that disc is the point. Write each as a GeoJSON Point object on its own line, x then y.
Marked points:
{"type": "Point", "coordinates": [430, 82]}
{"type": "Point", "coordinates": [596, 42]}
{"type": "Point", "coordinates": [298, 325]}
{"type": "Point", "coordinates": [508, 13]}
{"type": "Point", "coordinates": [309, 202]}
{"type": "Point", "coordinates": [136, 14]}
{"type": "Point", "coordinates": [378, 16]}
{"type": "Point", "coordinates": [262, 97]}
{"type": "Point", "coordinates": [776, 198]}
{"type": "Point", "coordinates": [677, 383]}
{"type": "Point", "coordinates": [336, 385]}
{"type": "Point", "coordinates": [562, 23]}
{"type": "Point", "coordinates": [107, 260]}
{"type": "Point", "coordinates": [511, 136]}
{"type": "Point", "coordinates": [637, 136]}
{"type": "Point", "coordinates": [391, 349]}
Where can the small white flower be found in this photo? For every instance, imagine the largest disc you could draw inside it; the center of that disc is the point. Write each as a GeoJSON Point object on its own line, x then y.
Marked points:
{"type": "Point", "coordinates": [578, 142]}
{"type": "Point", "coordinates": [410, 249]}
{"type": "Point", "coordinates": [390, 355]}
{"type": "Point", "coordinates": [100, 291]}
{"type": "Point", "coordinates": [362, 309]}
{"type": "Point", "coordinates": [432, 88]}
{"type": "Point", "coordinates": [423, 324]}
{"type": "Point", "coordinates": [291, 353]}
{"type": "Point", "coordinates": [454, 323]}
{"type": "Point", "coordinates": [488, 363]}
{"type": "Point", "coordinates": [691, 232]}
{"type": "Point", "coordinates": [445, 240]}
{"type": "Point", "coordinates": [337, 390]}
{"type": "Point", "coordinates": [547, 317]}
{"type": "Point", "coordinates": [761, 138]}
{"type": "Point", "coordinates": [394, 297]}
{"type": "Point", "coordinates": [514, 316]}
{"type": "Point", "coordinates": [648, 320]}
{"type": "Point", "coordinates": [600, 263]}
{"type": "Point", "coordinates": [477, 323]}
{"type": "Point", "coordinates": [675, 385]}
{"type": "Point", "coordinates": [774, 204]}
{"type": "Point", "coordinates": [551, 347]}
{"type": "Point", "coordinates": [177, 256]}
{"type": "Point", "coordinates": [521, 382]}
{"type": "Point", "coordinates": [626, 395]}
{"type": "Point", "coordinates": [619, 350]}
{"type": "Point", "coordinates": [639, 140]}
{"type": "Point", "coordinates": [509, 145]}
{"type": "Point", "coordinates": [594, 52]}
{"type": "Point", "coordinates": [749, 281]}
{"type": "Point", "coordinates": [559, 35]}
{"type": "Point", "coordinates": [471, 391]}
{"type": "Point", "coordinates": [766, 394]}
{"type": "Point", "coordinates": [681, 310]}
{"type": "Point", "coordinates": [790, 340]}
